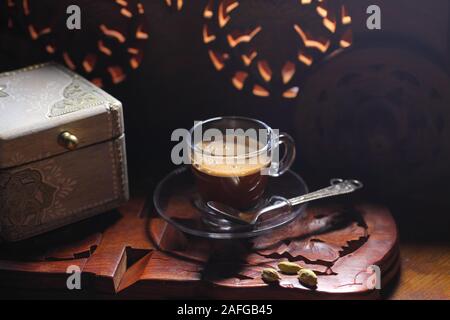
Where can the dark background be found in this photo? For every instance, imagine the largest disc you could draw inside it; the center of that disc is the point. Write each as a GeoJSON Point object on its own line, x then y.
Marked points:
{"type": "Point", "coordinates": [377, 111]}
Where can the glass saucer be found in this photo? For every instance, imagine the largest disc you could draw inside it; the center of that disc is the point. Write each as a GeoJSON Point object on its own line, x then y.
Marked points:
{"type": "Point", "coordinates": [177, 201]}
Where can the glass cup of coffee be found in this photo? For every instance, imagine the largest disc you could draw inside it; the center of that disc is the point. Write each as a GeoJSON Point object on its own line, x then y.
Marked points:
{"type": "Point", "coordinates": [233, 157]}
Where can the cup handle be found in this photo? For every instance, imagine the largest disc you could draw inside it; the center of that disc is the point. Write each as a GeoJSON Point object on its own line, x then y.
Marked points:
{"type": "Point", "coordinates": [279, 167]}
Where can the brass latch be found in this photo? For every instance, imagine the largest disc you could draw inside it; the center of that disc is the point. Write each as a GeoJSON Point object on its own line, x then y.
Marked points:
{"type": "Point", "coordinates": [68, 140]}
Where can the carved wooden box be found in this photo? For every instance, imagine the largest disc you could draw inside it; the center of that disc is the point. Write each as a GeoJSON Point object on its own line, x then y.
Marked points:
{"type": "Point", "coordinates": [62, 151]}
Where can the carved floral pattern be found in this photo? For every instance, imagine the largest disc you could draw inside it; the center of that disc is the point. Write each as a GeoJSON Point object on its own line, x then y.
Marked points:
{"type": "Point", "coordinates": [316, 241]}
{"type": "Point", "coordinates": [31, 197]}
{"type": "Point", "coordinates": [24, 196]}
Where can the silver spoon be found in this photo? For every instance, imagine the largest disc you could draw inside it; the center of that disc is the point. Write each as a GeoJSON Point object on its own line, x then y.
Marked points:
{"type": "Point", "coordinates": [283, 205]}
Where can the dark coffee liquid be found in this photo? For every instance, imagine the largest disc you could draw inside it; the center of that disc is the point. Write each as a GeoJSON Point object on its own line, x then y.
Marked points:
{"type": "Point", "coordinates": [237, 184]}
{"type": "Point", "coordinates": [240, 192]}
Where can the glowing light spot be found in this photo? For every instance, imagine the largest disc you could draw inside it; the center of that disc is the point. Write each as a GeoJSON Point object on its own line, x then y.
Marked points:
{"type": "Point", "coordinates": [208, 13]}
{"type": "Point", "coordinates": [347, 39]}
{"type": "Point", "coordinates": [260, 91]}
{"type": "Point", "coordinates": [116, 74]}
{"type": "Point", "coordinates": [45, 31]}
{"type": "Point", "coordinates": [322, 46]}
{"type": "Point", "coordinates": [237, 37]}
{"type": "Point", "coordinates": [140, 34]}
{"type": "Point", "coordinates": [217, 59]}
{"type": "Point", "coordinates": [222, 17]}
{"type": "Point", "coordinates": [179, 5]}
{"type": "Point", "coordinates": [89, 63]}
{"type": "Point", "coordinates": [207, 37]}
{"type": "Point", "coordinates": [104, 49]}
{"type": "Point", "coordinates": [291, 93]}
{"type": "Point", "coordinates": [287, 72]}
{"type": "Point", "coordinates": [322, 11]}
{"type": "Point", "coordinates": [136, 60]}
{"type": "Point", "coordinates": [305, 59]}
{"type": "Point", "coordinates": [98, 82]}
{"type": "Point", "coordinates": [231, 6]}
{"type": "Point", "coordinates": [26, 7]}
{"type": "Point", "coordinates": [122, 3]}
{"type": "Point", "coordinates": [248, 58]}
{"type": "Point", "coordinates": [225, 8]}
{"type": "Point", "coordinates": [33, 33]}
{"type": "Point", "coordinates": [330, 24]}
{"type": "Point", "coordinates": [345, 17]}
{"type": "Point", "coordinates": [126, 13]}
{"type": "Point", "coordinates": [239, 79]}
{"type": "Point", "coordinates": [68, 61]}
{"type": "Point", "coordinates": [50, 49]}
{"type": "Point", "coordinates": [264, 70]}
{"type": "Point", "coordinates": [140, 8]}
{"type": "Point", "coordinates": [133, 51]}
{"type": "Point", "coordinates": [112, 33]}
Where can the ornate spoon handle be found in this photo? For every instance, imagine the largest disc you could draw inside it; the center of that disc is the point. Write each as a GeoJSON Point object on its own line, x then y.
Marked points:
{"type": "Point", "coordinates": [282, 205]}
{"type": "Point", "coordinates": [337, 187]}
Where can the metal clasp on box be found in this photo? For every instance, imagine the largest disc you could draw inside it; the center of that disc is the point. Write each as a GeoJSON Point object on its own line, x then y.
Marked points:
{"type": "Point", "coordinates": [68, 140]}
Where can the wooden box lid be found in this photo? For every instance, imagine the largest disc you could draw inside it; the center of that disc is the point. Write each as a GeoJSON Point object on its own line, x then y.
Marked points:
{"type": "Point", "coordinates": [39, 103]}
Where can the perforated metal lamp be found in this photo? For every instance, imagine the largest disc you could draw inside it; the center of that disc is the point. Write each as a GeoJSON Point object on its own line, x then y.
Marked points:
{"type": "Point", "coordinates": [109, 45]}
{"type": "Point", "coordinates": [266, 49]}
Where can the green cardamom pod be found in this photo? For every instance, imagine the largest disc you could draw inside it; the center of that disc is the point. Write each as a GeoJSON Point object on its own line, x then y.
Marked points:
{"type": "Point", "coordinates": [289, 267]}
{"type": "Point", "coordinates": [270, 275]}
{"type": "Point", "coordinates": [307, 277]}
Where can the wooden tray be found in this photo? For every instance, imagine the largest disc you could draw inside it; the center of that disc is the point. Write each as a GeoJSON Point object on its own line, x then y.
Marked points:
{"type": "Point", "coordinates": [133, 253]}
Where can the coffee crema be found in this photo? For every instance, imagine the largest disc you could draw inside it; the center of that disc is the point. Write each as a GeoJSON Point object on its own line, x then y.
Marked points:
{"type": "Point", "coordinates": [236, 156]}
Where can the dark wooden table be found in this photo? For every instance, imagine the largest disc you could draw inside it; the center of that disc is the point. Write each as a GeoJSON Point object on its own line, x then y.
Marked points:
{"type": "Point", "coordinates": [425, 251]}
{"type": "Point", "coordinates": [425, 263]}
{"type": "Point", "coordinates": [425, 273]}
